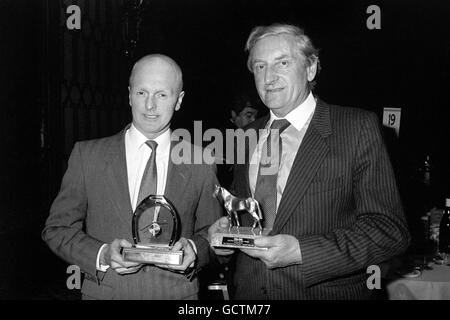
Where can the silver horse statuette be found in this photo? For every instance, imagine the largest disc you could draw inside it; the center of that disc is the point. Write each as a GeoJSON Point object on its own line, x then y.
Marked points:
{"type": "Point", "coordinates": [233, 204]}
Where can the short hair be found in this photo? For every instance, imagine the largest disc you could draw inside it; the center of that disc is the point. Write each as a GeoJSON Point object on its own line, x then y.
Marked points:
{"type": "Point", "coordinates": [241, 100]}
{"type": "Point", "coordinates": [304, 43]}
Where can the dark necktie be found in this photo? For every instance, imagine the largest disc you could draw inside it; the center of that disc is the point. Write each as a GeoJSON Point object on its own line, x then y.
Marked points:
{"type": "Point", "coordinates": [266, 182]}
{"type": "Point", "coordinates": [149, 178]}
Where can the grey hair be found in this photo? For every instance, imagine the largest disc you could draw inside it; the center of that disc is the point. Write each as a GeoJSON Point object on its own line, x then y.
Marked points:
{"type": "Point", "coordinates": [304, 43]}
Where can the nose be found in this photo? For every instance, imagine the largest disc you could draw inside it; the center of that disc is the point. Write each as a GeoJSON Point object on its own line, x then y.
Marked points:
{"type": "Point", "coordinates": [149, 103]}
{"type": "Point", "coordinates": [270, 75]}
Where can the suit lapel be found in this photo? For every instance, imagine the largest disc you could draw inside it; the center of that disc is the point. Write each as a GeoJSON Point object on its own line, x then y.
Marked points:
{"type": "Point", "coordinates": [117, 177]}
{"type": "Point", "coordinates": [310, 155]}
{"type": "Point", "coordinates": [177, 175]}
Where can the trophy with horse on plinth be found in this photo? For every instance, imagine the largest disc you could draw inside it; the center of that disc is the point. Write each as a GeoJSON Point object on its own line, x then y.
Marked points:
{"type": "Point", "coordinates": [237, 236]}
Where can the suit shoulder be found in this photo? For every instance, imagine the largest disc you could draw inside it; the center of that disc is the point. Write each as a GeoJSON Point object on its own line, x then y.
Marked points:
{"type": "Point", "coordinates": [97, 146]}
{"type": "Point", "coordinates": [351, 114]}
{"type": "Point", "coordinates": [183, 143]}
{"type": "Point", "coordinates": [195, 158]}
{"type": "Point", "coordinates": [94, 142]}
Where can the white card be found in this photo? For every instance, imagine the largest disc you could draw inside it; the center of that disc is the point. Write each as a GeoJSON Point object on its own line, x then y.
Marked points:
{"type": "Point", "coordinates": [391, 118]}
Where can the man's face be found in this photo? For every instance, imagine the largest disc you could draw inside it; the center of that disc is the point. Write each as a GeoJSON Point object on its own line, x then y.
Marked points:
{"type": "Point", "coordinates": [245, 117]}
{"type": "Point", "coordinates": [154, 96]}
{"type": "Point", "coordinates": [281, 76]}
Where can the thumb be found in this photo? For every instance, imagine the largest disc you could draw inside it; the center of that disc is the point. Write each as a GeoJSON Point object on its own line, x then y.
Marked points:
{"type": "Point", "coordinates": [125, 243]}
{"type": "Point", "coordinates": [180, 244]}
{"type": "Point", "coordinates": [263, 242]}
{"type": "Point", "coordinates": [223, 222]}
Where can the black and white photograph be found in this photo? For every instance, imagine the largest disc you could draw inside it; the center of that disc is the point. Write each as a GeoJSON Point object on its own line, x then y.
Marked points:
{"type": "Point", "coordinates": [225, 155]}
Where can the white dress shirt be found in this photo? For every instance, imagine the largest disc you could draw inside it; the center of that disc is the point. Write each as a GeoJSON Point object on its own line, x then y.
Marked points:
{"type": "Point", "coordinates": [292, 137]}
{"type": "Point", "coordinates": [137, 155]}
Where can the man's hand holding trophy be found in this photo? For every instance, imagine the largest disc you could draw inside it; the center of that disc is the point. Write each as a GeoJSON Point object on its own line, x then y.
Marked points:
{"type": "Point", "coordinates": [228, 234]}
{"type": "Point", "coordinates": [155, 228]}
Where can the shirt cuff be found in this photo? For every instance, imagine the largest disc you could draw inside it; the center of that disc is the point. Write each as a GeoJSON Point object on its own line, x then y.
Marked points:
{"type": "Point", "coordinates": [193, 246]}
{"type": "Point", "coordinates": [300, 253]}
{"type": "Point", "coordinates": [301, 258]}
{"type": "Point", "coordinates": [98, 266]}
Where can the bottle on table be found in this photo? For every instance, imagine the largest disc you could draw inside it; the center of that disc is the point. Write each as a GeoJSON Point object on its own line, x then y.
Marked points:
{"type": "Point", "coordinates": [427, 240]}
{"type": "Point", "coordinates": [444, 232]}
{"type": "Point", "coordinates": [426, 180]}
{"type": "Point", "coordinates": [427, 171]}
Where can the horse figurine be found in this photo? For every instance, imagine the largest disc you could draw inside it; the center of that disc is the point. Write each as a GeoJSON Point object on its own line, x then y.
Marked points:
{"type": "Point", "coordinates": [233, 204]}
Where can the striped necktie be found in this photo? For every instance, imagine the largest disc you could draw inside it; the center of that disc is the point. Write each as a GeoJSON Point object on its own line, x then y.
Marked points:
{"type": "Point", "coordinates": [266, 182]}
{"type": "Point", "coordinates": [149, 178]}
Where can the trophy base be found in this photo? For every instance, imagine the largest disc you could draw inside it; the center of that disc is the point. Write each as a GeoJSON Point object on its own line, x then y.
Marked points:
{"type": "Point", "coordinates": [238, 238]}
{"type": "Point", "coordinates": [153, 255]}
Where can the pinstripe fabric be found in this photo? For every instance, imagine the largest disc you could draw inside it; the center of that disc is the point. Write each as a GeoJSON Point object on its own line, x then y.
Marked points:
{"type": "Point", "coordinates": [95, 190]}
{"type": "Point", "coordinates": [341, 202]}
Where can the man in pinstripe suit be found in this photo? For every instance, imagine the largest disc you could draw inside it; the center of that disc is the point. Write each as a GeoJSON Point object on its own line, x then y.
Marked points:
{"type": "Point", "coordinates": [336, 208]}
{"type": "Point", "coordinates": [90, 219]}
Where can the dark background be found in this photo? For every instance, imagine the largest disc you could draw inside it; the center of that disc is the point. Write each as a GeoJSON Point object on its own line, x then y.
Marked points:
{"type": "Point", "coordinates": [58, 86]}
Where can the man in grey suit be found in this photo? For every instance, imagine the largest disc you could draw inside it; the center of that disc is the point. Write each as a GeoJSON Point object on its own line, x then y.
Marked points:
{"type": "Point", "coordinates": [332, 202]}
{"type": "Point", "coordinates": [90, 219]}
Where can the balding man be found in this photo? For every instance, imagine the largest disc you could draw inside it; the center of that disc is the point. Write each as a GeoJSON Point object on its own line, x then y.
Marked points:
{"type": "Point", "coordinates": [90, 219]}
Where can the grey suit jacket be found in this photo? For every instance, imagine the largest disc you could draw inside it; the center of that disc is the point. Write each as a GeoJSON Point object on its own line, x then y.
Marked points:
{"type": "Point", "coordinates": [340, 201]}
{"type": "Point", "coordinates": [93, 207]}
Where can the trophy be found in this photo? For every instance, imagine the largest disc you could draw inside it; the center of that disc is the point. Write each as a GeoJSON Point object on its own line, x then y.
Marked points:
{"type": "Point", "coordinates": [236, 236]}
{"type": "Point", "coordinates": [155, 228]}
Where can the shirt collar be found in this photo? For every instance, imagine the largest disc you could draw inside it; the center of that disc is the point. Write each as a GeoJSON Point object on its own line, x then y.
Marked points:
{"type": "Point", "coordinates": [137, 140]}
{"type": "Point", "coordinates": [298, 116]}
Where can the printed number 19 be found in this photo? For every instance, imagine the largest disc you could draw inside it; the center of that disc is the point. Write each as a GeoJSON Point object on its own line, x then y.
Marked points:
{"type": "Point", "coordinates": [391, 119]}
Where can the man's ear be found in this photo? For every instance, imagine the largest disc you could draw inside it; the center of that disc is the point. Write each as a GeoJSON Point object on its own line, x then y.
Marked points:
{"type": "Point", "coordinates": [179, 101]}
{"type": "Point", "coordinates": [233, 116]}
{"type": "Point", "coordinates": [312, 71]}
{"type": "Point", "coordinates": [129, 96]}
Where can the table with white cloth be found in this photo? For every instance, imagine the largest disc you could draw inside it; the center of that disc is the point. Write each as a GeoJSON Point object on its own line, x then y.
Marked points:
{"type": "Point", "coordinates": [431, 284]}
